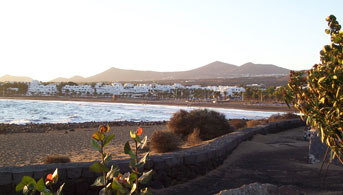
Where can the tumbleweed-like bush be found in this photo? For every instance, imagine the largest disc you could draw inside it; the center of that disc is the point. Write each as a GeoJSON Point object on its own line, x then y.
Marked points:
{"type": "Point", "coordinates": [280, 117]}
{"type": "Point", "coordinates": [56, 159]}
{"type": "Point", "coordinates": [164, 141]}
{"type": "Point", "coordinates": [194, 137]}
{"type": "Point", "coordinates": [210, 123]}
{"type": "Point", "coordinates": [237, 123]}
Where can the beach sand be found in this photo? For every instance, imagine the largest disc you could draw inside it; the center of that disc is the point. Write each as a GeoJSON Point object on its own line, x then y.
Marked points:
{"type": "Point", "coordinates": [259, 106]}
{"type": "Point", "coordinates": [19, 149]}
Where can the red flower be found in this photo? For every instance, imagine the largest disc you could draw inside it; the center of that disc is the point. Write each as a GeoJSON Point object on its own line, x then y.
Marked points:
{"type": "Point", "coordinates": [48, 179]}
{"type": "Point", "coordinates": [139, 131]}
{"type": "Point", "coordinates": [103, 128]}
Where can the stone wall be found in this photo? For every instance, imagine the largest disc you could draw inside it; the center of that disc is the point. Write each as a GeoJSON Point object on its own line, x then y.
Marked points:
{"type": "Point", "coordinates": [317, 150]}
{"type": "Point", "coordinates": [169, 168]}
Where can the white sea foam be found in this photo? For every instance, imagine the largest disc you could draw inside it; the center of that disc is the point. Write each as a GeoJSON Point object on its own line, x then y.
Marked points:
{"type": "Point", "coordinates": [35, 111]}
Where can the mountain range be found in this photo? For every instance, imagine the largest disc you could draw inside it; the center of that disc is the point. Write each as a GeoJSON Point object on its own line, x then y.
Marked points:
{"type": "Point", "coordinates": [214, 70]}
{"type": "Point", "coordinates": [10, 78]}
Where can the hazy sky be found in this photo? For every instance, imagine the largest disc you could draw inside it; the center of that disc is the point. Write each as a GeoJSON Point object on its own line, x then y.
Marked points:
{"type": "Point", "coordinates": [47, 39]}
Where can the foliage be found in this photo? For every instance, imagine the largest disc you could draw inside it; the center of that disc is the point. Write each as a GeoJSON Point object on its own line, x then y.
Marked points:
{"type": "Point", "coordinates": [28, 185]}
{"type": "Point", "coordinates": [5, 88]}
{"type": "Point", "coordinates": [164, 141]}
{"type": "Point", "coordinates": [260, 94]}
{"type": "Point", "coordinates": [112, 180]}
{"type": "Point", "coordinates": [317, 93]}
{"type": "Point", "coordinates": [210, 123]}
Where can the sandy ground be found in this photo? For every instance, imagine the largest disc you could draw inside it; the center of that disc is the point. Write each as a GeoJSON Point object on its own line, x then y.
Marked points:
{"type": "Point", "coordinates": [32, 148]}
{"type": "Point", "coordinates": [279, 159]}
{"type": "Point", "coordinates": [265, 106]}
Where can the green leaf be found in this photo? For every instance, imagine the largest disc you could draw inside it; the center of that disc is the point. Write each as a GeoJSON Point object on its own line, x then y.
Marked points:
{"type": "Point", "coordinates": [100, 181]}
{"type": "Point", "coordinates": [95, 144]}
{"type": "Point", "coordinates": [145, 178]}
{"type": "Point", "coordinates": [98, 136]}
{"type": "Point", "coordinates": [116, 185]}
{"type": "Point", "coordinates": [41, 185]}
{"type": "Point", "coordinates": [132, 164]}
{"type": "Point", "coordinates": [98, 167]}
{"type": "Point", "coordinates": [26, 181]}
{"type": "Point", "coordinates": [107, 158]}
{"type": "Point", "coordinates": [19, 187]}
{"type": "Point", "coordinates": [138, 139]}
{"type": "Point", "coordinates": [108, 139]}
{"type": "Point", "coordinates": [337, 39]}
{"type": "Point", "coordinates": [127, 150]}
{"type": "Point", "coordinates": [132, 177]}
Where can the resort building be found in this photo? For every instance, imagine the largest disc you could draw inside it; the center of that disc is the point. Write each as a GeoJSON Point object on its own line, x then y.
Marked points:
{"type": "Point", "coordinates": [36, 88]}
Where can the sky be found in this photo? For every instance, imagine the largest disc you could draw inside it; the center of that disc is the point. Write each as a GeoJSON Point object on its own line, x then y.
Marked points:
{"type": "Point", "coordinates": [48, 39]}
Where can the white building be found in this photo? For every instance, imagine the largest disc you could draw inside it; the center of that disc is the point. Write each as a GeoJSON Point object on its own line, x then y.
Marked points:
{"type": "Point", "coordinates": [113, 89]}
{"type": "Point", "coordinates": [82, 90]}
{"type": "Point", "coordinates": [36, 88]}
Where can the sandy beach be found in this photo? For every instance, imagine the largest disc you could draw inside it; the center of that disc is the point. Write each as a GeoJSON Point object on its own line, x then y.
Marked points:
{"type": "Point", "coordinates": [19, 149]}
{"type": "Point", "coordinates": [245, 105]}
{"type": "Point", "coordinates": [32, 143]}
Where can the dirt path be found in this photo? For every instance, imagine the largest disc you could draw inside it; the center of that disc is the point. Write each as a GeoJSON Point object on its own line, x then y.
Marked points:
{"type": "Point", "coordinates": [279, 159]}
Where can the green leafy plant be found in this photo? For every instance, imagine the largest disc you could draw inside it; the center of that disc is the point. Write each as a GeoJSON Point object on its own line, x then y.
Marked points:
{"type": "Point", "coordinates": [112, 180]}
{"type": "Point", "coordinates": [28, 185]}
{"type": "Point", "coordinates": [318, 92]}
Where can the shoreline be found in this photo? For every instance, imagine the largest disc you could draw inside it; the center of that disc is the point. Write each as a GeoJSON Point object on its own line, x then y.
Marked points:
{"type": "Point", "coordinates": [256, 106]}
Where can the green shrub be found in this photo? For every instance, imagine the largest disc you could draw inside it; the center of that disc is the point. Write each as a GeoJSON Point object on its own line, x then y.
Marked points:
{"type": "Point", "coordinates": [210, 123]}
{"type": "Point", "coordinates": [164, 141]}
{"type": "Point", "coordinates": [317, 93]}
{"type": "Point", "coordinates": [237, 123]}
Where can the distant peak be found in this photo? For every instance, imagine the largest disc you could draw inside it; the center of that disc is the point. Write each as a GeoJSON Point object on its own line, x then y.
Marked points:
{"type": "Point", "coordinates": [248, 63]}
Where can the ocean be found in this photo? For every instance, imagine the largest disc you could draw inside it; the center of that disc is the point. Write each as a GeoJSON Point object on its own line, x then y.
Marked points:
{"type": "Point", "coordinates": [38, 111]}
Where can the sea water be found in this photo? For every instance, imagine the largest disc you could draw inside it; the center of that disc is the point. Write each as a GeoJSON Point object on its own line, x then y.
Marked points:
{"type": "Point", "coordinates": [38, 111]}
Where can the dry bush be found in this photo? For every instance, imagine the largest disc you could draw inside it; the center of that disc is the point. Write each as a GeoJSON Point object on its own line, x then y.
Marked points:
{"type": "Point", "coordinates": [56, 159]}
{"type": "Point", "coordinates": [164, 141]}
{"type": "Point", "coordinates": [278, 117]}
{"type": "Point", "coordinates": [210, 123]}
{"type": "Point", "coordinates": [254, 123]}
{"type": "Point", "coordinates": [194, 138]}
{"type": "Point", "coordinates": [237, 123]}
{"type": "Point", "coordinates": [180, 123]}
